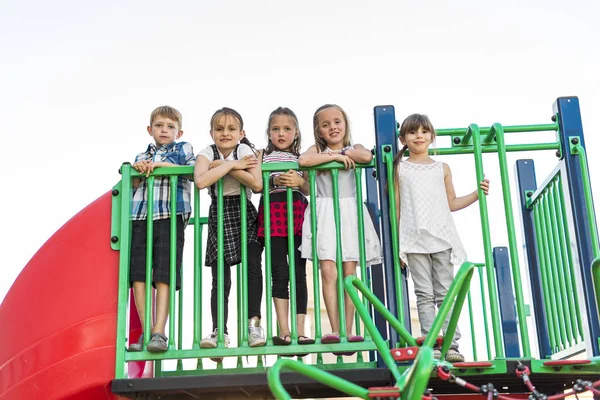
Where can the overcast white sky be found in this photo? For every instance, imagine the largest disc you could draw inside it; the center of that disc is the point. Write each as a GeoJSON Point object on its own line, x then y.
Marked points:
{"type": "Point", "coordinates": [79, 80]}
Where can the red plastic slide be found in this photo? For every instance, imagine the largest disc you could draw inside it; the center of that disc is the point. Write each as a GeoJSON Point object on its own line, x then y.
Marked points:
{"type": "Point", "coordinates": [58, 321]}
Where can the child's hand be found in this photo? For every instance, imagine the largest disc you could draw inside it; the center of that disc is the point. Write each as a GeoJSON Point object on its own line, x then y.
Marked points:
{"type": "Point", "coordinates": [348, 162]}
{"type": "Point", "coordinates": [245, 163]}
{"type": "Point", "coordinates": [485, 186]}
{"type": "Point", "coordinates": [143, 167]}
{"type": "Point", "coordinates": [215, 164]}
{"type": "Point", "coordinates": [290, 179]}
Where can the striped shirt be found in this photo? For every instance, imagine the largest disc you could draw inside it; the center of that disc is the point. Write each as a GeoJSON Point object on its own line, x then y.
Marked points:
{"type": "Point", "coordinates": [277, 156]}
{"type": "Point", "coordinates": [180, 153]}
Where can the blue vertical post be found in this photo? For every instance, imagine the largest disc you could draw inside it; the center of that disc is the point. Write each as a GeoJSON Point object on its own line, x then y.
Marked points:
{"type": "Point", "coordinates": [527, 184]}
{"type": "Point", "coordinates": [569, 119]}
{"type": "Point", "coordinates": [385, 135]}
{"type": "Point", "coordinates": [506, 298]}
{"type": "Point", "coordinates": [375, 271]}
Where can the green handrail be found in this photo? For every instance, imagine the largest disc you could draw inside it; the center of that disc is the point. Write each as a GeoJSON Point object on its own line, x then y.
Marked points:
{"type": "Point", "coordinates": [497, 131]}
{"type": "Point", "coordinates": [485, 229]}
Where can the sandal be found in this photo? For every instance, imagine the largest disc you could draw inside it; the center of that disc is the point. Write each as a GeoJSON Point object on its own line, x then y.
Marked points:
{"type": "Point", "coordinates": [282, 341]}
{"type": "Point", "coordinates": [330, 338]}
{"type": "Point", "coordinates": [305, 340]}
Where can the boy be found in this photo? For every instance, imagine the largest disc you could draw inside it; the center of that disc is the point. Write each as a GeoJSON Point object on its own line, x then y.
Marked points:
{"type": "Point", "coordinates": [165, 129]}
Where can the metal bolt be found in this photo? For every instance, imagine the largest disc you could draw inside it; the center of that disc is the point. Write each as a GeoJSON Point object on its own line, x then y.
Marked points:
{"type": "Point", "coordinates": [456, 140]}
{"type": "Point", "coordinates": [115, 192]}
{"type": "Point", "coordinates": [387, 149]}
{"type": "Point", "coordinates": [398, 353]}
{"type": "Point", "coordinates": [558, 153]}
{"type": "Point", "coordinates": [575, 141]}
{"type": "Point", "coordinates": [114, 239]}
{"type": "Point", "coordinates": [130, 384]}
{"type": "Point", "coordinates": [374, 173]}
{"type": "Point", "coordinates": [553, 118]}
{"type": "Point", "coordinates": [410, 352]}
{"type": "Point", "coordinates": [529, 194]}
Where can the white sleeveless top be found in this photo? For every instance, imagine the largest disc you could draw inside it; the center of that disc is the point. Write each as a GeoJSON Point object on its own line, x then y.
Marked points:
{"type": "Point", "coordinates": [426, 224]}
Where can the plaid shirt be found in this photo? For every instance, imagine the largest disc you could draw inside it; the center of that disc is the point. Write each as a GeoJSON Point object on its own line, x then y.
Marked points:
{"type": "Point", "coordinates": [180, 153]}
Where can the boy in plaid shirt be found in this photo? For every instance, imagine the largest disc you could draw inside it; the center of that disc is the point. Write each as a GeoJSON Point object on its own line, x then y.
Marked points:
{"type": "Point", "coordinates": [165, 128]}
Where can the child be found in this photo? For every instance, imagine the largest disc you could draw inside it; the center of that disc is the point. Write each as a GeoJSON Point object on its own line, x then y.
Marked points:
{"type": "Point", "coordinates": [429, 242]}
{"type": "Point", "coordinates": [284, 146]}
{"type": "Point", "coordinates": [235, 162]}
{"type": "Point", "coordinates": [333, 143]}
{"type": "Point", "coordinates": [165, 128]}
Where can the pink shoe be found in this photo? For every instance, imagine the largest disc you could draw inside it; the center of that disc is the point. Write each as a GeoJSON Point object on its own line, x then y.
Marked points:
{"type": "Point", "coordinates": [330, 338]}
{"type": "Point", "coordinates": [351, 339]}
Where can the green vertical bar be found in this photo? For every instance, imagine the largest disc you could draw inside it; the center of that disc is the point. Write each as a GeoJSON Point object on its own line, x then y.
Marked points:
{"type": "Point", "coordinates": [149, 258]}
{"type": "Point", "coordinates": [488, 346]}
{"type": "Point", "coordinates": [338, 252]}
{"type": "Point", "coordinates": [553, 274]}
{"type": "Point", "coordinates": [485, 230]}
{"type": "Point", "coordinates": [173, 261]}
{"type": "Point", "coordinates": [268, 273]}
{"type": "Point", "coordinates": [554, 189]}
{"type": "Point", "coordinates": [472, 325]}
{"type": "Point", "coordinates": [312, 174]}
{"type": "Point", "coordinates": [197, 270]}
{"type": "Point", "coordinates": [571, 272]}
{"type": "Point", "coordinates": [124, 258]}
{"type": "Point", "coordinates": [220, 267]}
{"type": "Point", "coordinates": [291, 262]}
{"type": "Point", "coordinates": [544, 260]}
{"type": "Point", "coordinates": [361, 239]}
{"type": "Point", "coordinates": [559, 266]}
{"type": "Point", "coordinates": [244, 238]}
{"type": "Point", "coordinates": [388, 159]}
{"type": "Point", "coordinates": [512, 242]}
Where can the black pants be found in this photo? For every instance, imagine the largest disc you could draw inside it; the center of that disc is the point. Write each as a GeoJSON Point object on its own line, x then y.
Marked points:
{"type": "Point", "coordinates": [255, 287]}
{"type": "Point", "coordinates": [281, 271]}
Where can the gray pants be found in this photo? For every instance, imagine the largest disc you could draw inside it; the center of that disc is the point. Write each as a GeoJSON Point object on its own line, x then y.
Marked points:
{"type": "Point", "coordinates": [432, 275]}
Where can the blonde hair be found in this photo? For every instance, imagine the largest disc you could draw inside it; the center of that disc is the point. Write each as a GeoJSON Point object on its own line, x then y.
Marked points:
{"type": "Point", "coordinates": [319, 141]}
{"type": "Point", "coordinates": [167, 112]}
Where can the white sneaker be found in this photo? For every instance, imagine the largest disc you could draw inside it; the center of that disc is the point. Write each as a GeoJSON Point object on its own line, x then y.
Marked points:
{"type": "Point", "coordinates": [210, 342]}
{"type": "Point", "coordinates": [256, 334]}
{"type": "Point", "coordinates": [437, 354]}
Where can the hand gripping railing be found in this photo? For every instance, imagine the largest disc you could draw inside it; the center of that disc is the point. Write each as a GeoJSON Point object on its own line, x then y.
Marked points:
{"type": "Point", "coordinates": [415, 379]}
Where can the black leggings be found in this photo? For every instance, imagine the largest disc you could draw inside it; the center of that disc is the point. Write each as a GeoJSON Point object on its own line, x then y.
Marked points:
{"type": "Point", "coordinates": [254, 285]}
{"type": "Point", "coordinates": [281, 271]}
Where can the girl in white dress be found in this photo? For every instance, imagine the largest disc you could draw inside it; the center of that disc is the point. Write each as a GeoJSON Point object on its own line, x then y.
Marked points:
{"type": "Point", "coordinates": [429, 242]}
{"type": "Point", "coordinates": [333, 143]}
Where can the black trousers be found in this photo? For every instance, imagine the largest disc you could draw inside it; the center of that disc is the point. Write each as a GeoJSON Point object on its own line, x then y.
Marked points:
{"type": "Point", "coordinates": [255, 286]}
{"type": "Point", "coordinates": [281, 272]}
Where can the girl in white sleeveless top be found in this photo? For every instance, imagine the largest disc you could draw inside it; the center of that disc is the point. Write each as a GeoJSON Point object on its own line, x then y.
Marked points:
{"type": "Point", "coordinates": [429, 242]}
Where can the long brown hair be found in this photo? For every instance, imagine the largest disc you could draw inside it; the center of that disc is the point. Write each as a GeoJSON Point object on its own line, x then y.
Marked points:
{"type": "Point", "coordinates": [319, 141]}
{"type": "Point", "coordinates": [295, 148]}
{"type": "Point", "coordinates": [230, 111]}
{"type": "Point", "coordinates": [412, 123]}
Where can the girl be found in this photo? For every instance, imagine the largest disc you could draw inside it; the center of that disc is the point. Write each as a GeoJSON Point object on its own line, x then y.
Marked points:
{"type": "Point", "coordinates": [283, 145]}
{"type": "Point", "coordinates": [231, 157]}
{"type": "Point", "coordinates": [429, 242]}
{"type": "Point", "coordinates": [333, 143]}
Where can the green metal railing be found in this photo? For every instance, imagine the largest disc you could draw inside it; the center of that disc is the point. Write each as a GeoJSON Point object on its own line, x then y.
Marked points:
{"type": "Point", "coordinates": [176, 350]}
{"type": "Point", "coordinates": [556, 264]}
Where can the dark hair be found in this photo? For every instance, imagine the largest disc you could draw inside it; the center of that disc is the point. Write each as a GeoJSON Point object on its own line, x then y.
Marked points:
{"type": "Point", "coordinates": [412, 123]}
{"type": "Point", "coordinates": [230, 111]}
{"type": "Point", "coordinates": [319, 141]}
{"type": "Point", "coordinates": [295, 148]}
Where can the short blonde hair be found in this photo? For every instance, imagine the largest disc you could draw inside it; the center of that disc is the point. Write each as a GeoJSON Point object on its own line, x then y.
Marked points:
{"type": "Point", "coordinates": [167, 112]}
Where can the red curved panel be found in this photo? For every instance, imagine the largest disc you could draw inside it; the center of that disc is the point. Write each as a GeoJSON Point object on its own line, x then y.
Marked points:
{"type": "Point", "coordinates": [59, 317]}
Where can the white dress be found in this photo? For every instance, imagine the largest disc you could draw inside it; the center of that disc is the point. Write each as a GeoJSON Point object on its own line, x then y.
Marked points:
{"type": "Point", "coordinates": [326, 232]}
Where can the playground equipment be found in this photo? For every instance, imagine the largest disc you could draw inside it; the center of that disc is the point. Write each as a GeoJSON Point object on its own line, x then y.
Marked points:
{"type": "Point", "coordinates": [562, 260]}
